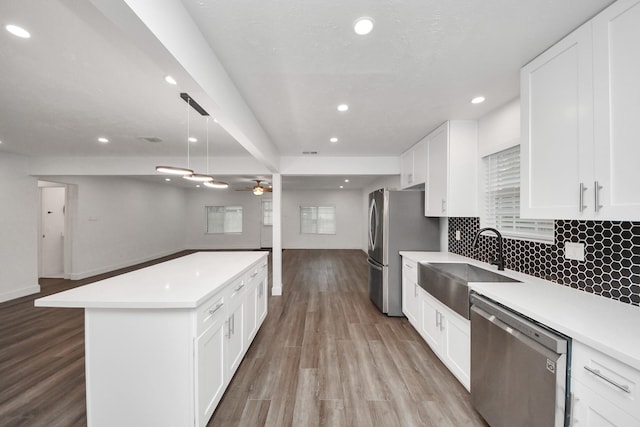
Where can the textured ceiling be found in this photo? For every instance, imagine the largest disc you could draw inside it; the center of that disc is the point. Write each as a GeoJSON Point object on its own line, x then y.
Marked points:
{"type": "Point", "coordinates": [80, 76]}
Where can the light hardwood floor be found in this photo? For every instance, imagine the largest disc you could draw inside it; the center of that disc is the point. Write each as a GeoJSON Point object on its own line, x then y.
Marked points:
{"type": "Point", "coordinates": [324, 357]}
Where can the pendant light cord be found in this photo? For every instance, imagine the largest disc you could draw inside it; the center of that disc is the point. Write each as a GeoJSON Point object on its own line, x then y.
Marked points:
{"type": "Point", "coordinates": [188, 132]}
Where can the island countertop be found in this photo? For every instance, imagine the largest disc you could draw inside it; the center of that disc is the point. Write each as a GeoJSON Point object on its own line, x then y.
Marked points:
{"type": "Point", "coordinates": [179, 283]}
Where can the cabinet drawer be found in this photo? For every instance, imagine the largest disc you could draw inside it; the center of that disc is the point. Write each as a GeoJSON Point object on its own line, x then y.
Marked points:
{"type": "Point", "coordinates": [610, 378]}
{"type": "Point", "coordinates": [237, 288]}
{"type": "Point", "coordinates": [410, 270]}
{"type": "Point", "coordinates": [208, 312]}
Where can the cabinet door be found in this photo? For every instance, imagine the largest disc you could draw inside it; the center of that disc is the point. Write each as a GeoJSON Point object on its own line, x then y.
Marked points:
{"type": "Point", "coordinates": [435, 198]}
{"type": "Point", "coordinates": [591, 410]}
{"type": "Point", "coordinates": [420, 162]}
{"type": "Point", "coordinates": [457, 347]}
{"type": "Point", "coordinates": [262, 301]}
{"type": "Point", "coordinates": [406, 169]}
{"type": "Point", "coordinates": [410, 305]}
{"type": "Point", "coordinates": [234, 342]}
{"type": "Point", "coordinates": [210, 377]}
{"type": "Point", "coordinates": [616, 32]}
{"type": "Point", "coordinates": [431, 318]}
{"type": "Point", "coordinates": [249, 322]}
{"type": "Point", "coordinates": [557, 129]}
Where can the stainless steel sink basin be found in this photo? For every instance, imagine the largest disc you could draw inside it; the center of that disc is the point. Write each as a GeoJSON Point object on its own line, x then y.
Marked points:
{"type": "Point", "coordinates": [449, 282]}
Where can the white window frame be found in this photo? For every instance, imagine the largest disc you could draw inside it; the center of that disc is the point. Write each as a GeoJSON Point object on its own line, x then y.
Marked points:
{"type": "Point", "coordinates": [501, 204]}
{"type": "Point", "coordinates": [318, 220]}
{"type": "Point", "coordinates": [231, 219]}
{"type": "Point", "coordinates": [267, 212]}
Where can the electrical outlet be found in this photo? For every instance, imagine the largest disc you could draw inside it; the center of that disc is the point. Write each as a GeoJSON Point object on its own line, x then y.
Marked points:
{"type": "Point", "coordinates": [457, 234]}
{"type": "Point", "coordinates": [574, 251]}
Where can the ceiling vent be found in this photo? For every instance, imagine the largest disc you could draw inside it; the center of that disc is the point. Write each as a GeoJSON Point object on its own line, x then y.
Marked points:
{"type": "Point", "coordinates": [153, 139]}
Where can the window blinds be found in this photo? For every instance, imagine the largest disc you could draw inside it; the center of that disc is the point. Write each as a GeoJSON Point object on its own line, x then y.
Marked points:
{"type": "Point", "coordinates": [502, 198]}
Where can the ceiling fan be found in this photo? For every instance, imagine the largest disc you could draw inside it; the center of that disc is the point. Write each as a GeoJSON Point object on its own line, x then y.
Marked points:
{"type": "Point", "coordinates": [257, 189]}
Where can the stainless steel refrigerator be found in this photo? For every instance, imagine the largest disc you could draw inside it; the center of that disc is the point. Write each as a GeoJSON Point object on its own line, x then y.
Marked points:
{"type": "Point", "coordinates": [396, 223]}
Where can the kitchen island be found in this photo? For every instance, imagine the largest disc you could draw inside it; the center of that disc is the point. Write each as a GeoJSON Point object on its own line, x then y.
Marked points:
{"type": "Point", "coordinates": [162, 343]}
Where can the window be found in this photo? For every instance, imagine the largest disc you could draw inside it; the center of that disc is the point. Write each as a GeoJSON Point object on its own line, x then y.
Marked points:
{"type": "Point", "coordinates": [267, 212]}
{"type": "Point", "coordinates": [224, 219]}
{"type": "Point", "coordinates": [502, 199]}
{"type": "Point", "coordinates": [317, 220]}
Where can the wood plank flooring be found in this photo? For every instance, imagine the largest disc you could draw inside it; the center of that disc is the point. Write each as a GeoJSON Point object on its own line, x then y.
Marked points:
{"type": "Point", "coordinates": [324, 357]}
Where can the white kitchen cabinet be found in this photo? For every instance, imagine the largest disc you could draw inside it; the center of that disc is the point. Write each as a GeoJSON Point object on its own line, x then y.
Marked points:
{"type": "Point", "coordinates": [579, 107]}
{"type": "Point", "coordinates": [451, 172]}
{"type": "Point", "coordinates": [591, 410]}
{"type": "Point", "coordinates": [604, 390]}
{"type": "Point", "coordinates": [616, 38]}
{"type": "Point", "coordinates": [210, 381]}
{"type": "Point", "coordinates": [410, 301]}
{"type": "Point", "coordinates": [448, 334]}
{"type": "Point", "coordinates": [234, 346]}
{"type": "Point", "coordinates": [413, 164]}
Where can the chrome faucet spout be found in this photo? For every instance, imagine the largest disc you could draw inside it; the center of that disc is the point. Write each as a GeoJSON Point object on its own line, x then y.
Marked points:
{"type": "Point", "coordinates": [499, 261]}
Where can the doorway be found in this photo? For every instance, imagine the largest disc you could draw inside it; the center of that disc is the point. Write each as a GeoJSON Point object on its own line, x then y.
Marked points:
{"type": "Point", "coordinates": [52, 229]}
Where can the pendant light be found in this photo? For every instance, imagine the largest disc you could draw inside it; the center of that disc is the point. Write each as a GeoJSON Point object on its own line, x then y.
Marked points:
{"type": "Point", "coordinates": [213, 183]}
{"type": "Point", "coordinates": [198, 177]}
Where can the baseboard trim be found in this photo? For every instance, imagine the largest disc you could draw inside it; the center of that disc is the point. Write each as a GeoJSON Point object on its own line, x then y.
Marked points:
{"type": "Point", "coordinates": [18, 293]}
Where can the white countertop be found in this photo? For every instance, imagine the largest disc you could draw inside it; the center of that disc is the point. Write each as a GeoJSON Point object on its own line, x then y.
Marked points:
{"type": "Point", "coordinates": [183, 282]}
{"type": "Point", "coordinates": [602, 323]}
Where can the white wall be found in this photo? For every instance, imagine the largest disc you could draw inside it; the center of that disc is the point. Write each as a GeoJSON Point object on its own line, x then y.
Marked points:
{"type": "Point", "coordinates": [350, 219]}
{"type": "Point", "coordinates": [18, 229]}
{"type": "Point", "coordinates": [196, 237]}
{"type": "Point", "coordinates": [119, 222]}
{"type": "Point", "coordinates": [499, 129]}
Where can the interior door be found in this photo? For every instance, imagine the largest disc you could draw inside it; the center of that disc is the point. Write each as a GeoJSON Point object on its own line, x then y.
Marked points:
{"type": "Point", "coordinates": [52, 217]}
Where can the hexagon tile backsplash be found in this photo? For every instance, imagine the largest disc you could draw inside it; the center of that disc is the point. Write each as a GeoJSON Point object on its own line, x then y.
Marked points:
{"type": "Point", "coordinates": [611, 266]}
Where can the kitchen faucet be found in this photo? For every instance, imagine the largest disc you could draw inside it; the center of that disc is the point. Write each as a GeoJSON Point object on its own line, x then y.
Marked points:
{"type": "Point", "coordinates": [499, 261]}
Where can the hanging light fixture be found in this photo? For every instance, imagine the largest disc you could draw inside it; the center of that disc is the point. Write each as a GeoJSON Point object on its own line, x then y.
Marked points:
{"type": "Point", "coordinates": [198, 177]}
{"type": "Point", "coordinates": [212, 183]}
{"type": "Point", "coordinates": [175, 170]}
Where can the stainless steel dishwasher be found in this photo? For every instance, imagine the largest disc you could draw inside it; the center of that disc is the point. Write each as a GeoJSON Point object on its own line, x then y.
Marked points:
{"type": "Point", "coordinates": [518, 368]}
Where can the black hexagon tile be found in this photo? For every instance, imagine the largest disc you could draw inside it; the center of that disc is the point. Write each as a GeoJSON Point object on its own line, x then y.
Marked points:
{"type": "Point", "coordinates": [611, 266]}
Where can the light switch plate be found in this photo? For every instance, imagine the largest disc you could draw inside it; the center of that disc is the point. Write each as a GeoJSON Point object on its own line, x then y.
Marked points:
{"type": "Point", "coordinates": [574, 251]}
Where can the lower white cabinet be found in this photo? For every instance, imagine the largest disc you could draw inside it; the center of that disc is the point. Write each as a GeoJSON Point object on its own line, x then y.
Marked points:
{"type": "Point", "coordinates": [604, 391]}
{"type": "Point", "coordinates": [410, 301]}
{"type": "Point", "coordinates": [210, 366]}
{"type": "Point", "coordinates": [448, 334]}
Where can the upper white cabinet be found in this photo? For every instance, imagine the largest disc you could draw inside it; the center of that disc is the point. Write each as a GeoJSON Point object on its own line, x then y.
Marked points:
{"type": "Point", "coordinates": [413, 165]}
{"type": "Point", "coordinates": [616, 38]}
{"type": "Point", "coordinates": [580, 101]}
{"type": "Point", "coordinates": [452, 156]}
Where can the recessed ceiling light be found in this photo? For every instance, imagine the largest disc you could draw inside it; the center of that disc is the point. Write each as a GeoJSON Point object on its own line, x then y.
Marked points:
{"type": "Point", "coordinates": [346, 180]}
{"type": "Point", "coordinates": [477, 100]}
{"type": "Point", "coordinates": [342, 186]}
{"type": "Point", "coordinates": [333, 139]}
{"type": "Point", "coordinates": [197, 185]}
{"type": "Point", "coordinates": [343, 107]}
{"type": "Point", "coordinates": [363, 26]}
{"type": "Point", "coordinates": [170, 80]}
{"type": "Point", "coordinates": [167, 179]}
{"type": "Point", "coordinates": [103, 140]}
{"type": "Point", "coordinates": [18, 31]}
{"type": "Point", "coordinates": [215, 120]}
{"type": "Point", "coordinates": [193, 139]}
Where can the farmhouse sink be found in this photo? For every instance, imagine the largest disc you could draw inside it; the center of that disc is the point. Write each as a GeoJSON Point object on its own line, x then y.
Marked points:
{"type": "Point", "coordinates": [449, 282]}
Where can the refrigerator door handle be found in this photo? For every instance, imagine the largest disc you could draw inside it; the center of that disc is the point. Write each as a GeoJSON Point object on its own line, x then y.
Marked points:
{"type": "Point", "coordinates": [374, 264]}
{"type": "Point", "coordinates": [373, 223]}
